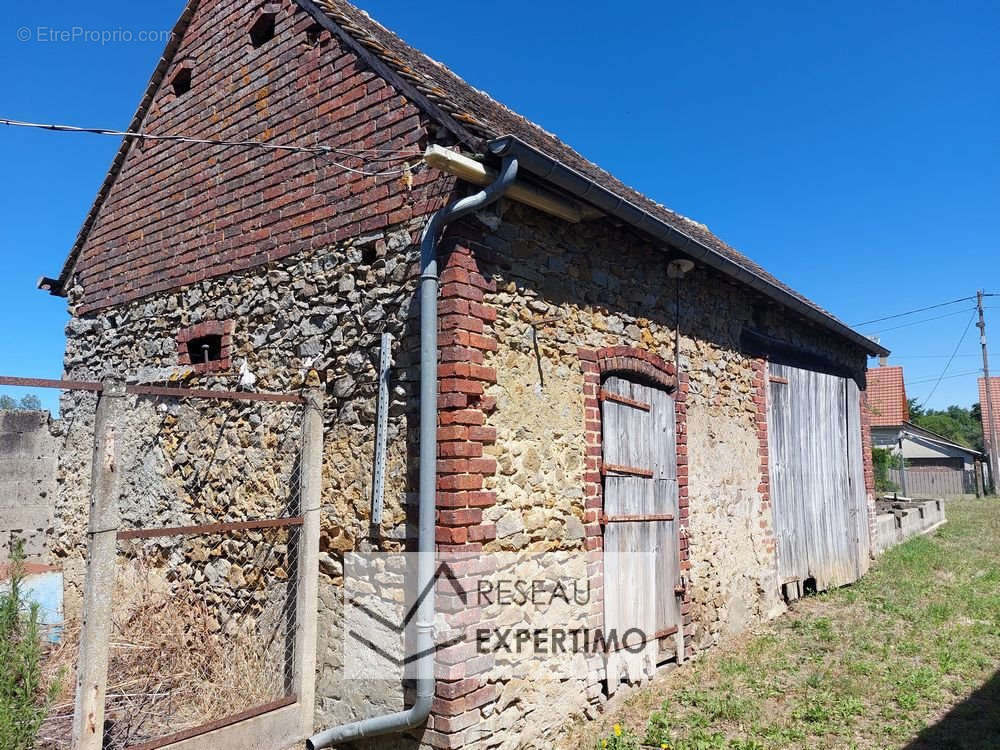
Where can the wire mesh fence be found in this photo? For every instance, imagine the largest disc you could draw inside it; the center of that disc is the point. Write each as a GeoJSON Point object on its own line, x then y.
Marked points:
{"type": "Point", "coordinates": [204, 599]}
{"type": "Point", "coordinates": [202, 497]}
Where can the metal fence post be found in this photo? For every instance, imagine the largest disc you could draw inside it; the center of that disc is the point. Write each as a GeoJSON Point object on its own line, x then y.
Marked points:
{"type": "Point", "coordinates": [307, 587]}
{"type": "Point", "coordinates": [92, 666]}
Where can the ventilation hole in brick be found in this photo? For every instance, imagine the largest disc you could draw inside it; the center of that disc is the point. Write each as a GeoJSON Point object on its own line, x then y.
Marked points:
{"type": "Point", "coordinates": [182, 81]}
{"type": "Point", "coordinates": [262, 30]}
{"type": "Point", "coordinates": [368, 255]}
{"type": "Point", "coordinates": [314, 36]}
{"type": "Point", "coordinates": [205, 349]}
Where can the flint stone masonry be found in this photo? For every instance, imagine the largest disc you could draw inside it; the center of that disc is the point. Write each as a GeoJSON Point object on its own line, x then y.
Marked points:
{"type": "Point", "coordinates": [551, 291]}
{"type": "Point", "coordinates": [28, 451]}
{"type": "Point", "coordinates": [291, 321]}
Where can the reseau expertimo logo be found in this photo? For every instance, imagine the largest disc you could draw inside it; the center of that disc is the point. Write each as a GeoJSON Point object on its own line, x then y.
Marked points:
{"type": "Point", "coordinates": [502, 608]}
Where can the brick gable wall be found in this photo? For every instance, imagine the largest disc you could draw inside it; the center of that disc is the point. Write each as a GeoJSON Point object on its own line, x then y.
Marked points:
{"type": "Point", "coordinates": [181, 213]}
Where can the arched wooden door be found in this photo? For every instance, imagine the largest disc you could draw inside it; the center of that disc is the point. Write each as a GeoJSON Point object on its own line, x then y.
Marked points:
{"type": "Point", "coordinates": [642, 574]}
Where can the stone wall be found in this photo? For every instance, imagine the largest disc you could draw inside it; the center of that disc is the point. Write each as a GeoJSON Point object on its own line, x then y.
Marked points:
{"type": "Point", "coordinates": [525, 299]}
{"type": "Point", "coordinates": [521, 305]}
{"type": "Point", "coordinates": [27, 482]}
{"type": "Point", "coordinates": [188, 461]}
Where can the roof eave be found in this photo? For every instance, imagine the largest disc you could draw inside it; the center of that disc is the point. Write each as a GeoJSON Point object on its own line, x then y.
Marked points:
{"type": "Point", "coordinates": [571, 181]}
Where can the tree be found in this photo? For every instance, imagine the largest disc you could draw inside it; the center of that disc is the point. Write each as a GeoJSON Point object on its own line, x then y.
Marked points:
{"type": "Point", "coordinates": [31, 402]}
{"type": "Point", "coordinates": [956, 423]}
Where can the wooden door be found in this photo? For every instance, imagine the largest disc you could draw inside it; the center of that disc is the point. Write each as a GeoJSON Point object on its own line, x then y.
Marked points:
{"type": "Point", "coordinates": [817, 478]}
{"type": "Point", "coordinates": [642, 573]}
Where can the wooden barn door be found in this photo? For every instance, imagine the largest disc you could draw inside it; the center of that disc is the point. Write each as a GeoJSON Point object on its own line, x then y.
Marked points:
{"type": "Point", "coordinates": [817, 478]}
{"type": "Point", "coordinates": [641, 542]}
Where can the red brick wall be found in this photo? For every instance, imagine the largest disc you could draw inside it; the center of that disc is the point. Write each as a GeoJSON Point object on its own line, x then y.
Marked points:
{"type": "Point", "coordinates": [463, 685]}
{"type": "Point", "coordinates": [760, 382]}
{"type": "Point", "coordinates": [179, 213]}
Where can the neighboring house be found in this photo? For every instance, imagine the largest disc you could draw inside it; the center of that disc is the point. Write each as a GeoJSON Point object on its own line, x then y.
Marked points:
{"type": "Point", "coordinates": [936, 466]}
{"type": "Point", "coordinates": [993, 454]}
{"type": "Point", "coordinates": [887, 397]}
{"type": "Point", "coordinates": [580, 324]}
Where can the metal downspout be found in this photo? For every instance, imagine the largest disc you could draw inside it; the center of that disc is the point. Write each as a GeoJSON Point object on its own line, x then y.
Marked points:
{"type": "Point", "coordinates": [424, 646]}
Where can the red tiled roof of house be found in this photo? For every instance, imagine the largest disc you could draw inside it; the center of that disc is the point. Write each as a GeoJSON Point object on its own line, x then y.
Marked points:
{"type": "Point", "coordinates": [887, 397]}
{"type": "Point", "coordinates": [995, 393]}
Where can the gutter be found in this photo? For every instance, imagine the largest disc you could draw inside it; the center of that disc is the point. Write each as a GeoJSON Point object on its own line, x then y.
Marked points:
{"type": "Point", "coordinates": [583, 188]}
{"type": "Point", "coordinates": [423, 649]}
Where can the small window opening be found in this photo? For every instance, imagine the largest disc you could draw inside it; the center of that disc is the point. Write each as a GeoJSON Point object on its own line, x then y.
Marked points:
{"type": "Point", "coordinates": [314, 36]}
{"type": "Point", "coordinates": [262, 30]}
{"type": "Point", "coordinates": [205, 349]}
{"type": "Point", "coordinates": [369, 255]}
{"type": "Point", "coordinates": [182, 81]}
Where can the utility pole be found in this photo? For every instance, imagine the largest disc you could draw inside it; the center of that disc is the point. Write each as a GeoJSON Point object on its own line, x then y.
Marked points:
{"type": "Point", "coordinates": [992, 453]}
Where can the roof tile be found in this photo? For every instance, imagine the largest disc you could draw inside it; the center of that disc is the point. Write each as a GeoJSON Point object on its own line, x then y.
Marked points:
{"type": "Point", "coordinates": [887, 397]}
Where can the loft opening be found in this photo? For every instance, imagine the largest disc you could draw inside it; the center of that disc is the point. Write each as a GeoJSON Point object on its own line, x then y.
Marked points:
{"type": "Point", "coordinates": [181, 82]}
{"type": "Point", "coordinates": [205, 349]}
{"type": "Point", "coordinates": [262, 30]}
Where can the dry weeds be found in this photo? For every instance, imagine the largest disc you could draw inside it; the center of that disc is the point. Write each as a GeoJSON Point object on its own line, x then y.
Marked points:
{"type": "Point", "coordinates": [168, 671]}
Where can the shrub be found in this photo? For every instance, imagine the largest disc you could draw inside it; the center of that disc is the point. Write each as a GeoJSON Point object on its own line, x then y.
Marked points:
{"type": "Point", "coordinates": [23, 701]}
{"type": "Point", "coordinates": [884, 459]}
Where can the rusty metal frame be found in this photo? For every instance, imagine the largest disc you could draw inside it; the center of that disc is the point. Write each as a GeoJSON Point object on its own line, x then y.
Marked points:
{"type": "Point", "coordinates": [65, 385]}
{"type": "Point", "coordinates": [212, 726]}
{"type": "Point", "coordinates": [635, 471]}
{"type": "Point", "coordinates": [153, 390]}
{"type": "Point", "coordinates": [604, 519]}
{"type": "Point", "coordinates": [212, 528]}
{"type": "Point", "coordinates": [606, 395]}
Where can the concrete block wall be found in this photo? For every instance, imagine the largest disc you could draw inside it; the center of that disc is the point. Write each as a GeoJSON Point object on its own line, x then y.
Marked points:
{"type": "Point", "coordinates": [27, 482]}
{"type": "Point", "coordinates": [907, 521]}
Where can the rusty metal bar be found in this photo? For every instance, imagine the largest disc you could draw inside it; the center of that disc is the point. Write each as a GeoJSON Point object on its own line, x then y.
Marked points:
{"type": "Point", "coordinates": [637, 518]}
{"type": "Point", "coordinates": [153, 390]}
{"type": "Point", "coordinates": [64, 385]}
{"type": "Point", "coordinates": [778, 379]}
{"type": "Point", "coordinates": [635, 471]}
{"type": "Point", "coordinates": [665, 633]}
{"type": "Point", "coordinates": [227, 721]}
{"type": "Point", "coordinates": [618, 399]}
{"type": "Point", "coordinates": [212, 528]}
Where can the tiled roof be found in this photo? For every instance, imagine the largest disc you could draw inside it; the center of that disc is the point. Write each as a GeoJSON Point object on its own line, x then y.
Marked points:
{"type": "Point", "coordinates": [487, 118]}
{"type": "Point", "coordinates": [473, 116]}
{"type": "Point", "coordinates": [887, 397]}
{"type": "Point", "coordinates": [995, 394]}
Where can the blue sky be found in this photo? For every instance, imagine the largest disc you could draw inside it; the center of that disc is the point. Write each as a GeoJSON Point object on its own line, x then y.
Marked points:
{"type": "Point", "coordinates": [853, 149]}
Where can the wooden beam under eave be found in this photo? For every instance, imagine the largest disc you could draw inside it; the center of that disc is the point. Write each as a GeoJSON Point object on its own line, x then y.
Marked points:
{"type": "Point", "coordinates": [478, 173]}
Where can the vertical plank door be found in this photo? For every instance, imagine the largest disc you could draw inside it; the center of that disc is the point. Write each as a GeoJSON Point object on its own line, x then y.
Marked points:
{"type": "Point", "coordinates": [641, 542]}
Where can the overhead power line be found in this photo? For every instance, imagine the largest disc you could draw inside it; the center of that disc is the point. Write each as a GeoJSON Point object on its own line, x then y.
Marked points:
{"type": "Point", "coordinates": [938, 378]}
{"type": "Point", "coordinates": [929, 356]}
{"type": "Point", "coordinates": [924, 320]}
{"type": "Point", "coordinates": [958, 346]}
{"type": "Point", "coordinates": [913, 312]}
{"type": "Point", "coordinates": [318, 150]}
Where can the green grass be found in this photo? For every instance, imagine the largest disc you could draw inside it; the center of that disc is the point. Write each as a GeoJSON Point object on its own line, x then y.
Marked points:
{"type": "Point", "coordinates": [907, 657]}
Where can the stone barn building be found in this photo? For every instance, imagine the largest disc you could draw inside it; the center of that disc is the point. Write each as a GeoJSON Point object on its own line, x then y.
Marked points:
{"type": "Point", "coordinates": [605, 366]}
